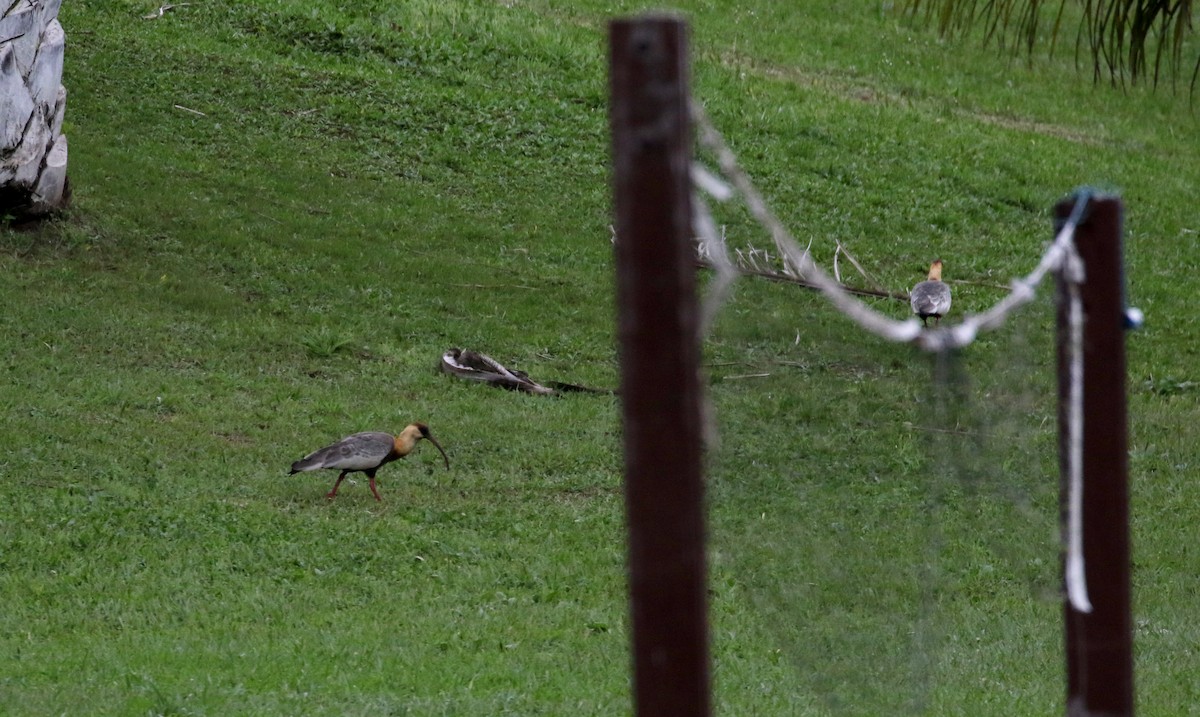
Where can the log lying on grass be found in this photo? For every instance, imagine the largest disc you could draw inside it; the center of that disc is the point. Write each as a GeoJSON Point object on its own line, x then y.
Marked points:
{"type": "Point", "coordinates": [33, 150]}
{"type": "Point", "coordinates": [475, 366]}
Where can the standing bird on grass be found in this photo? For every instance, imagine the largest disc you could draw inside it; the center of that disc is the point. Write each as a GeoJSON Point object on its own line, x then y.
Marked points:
{"type": "Point", "coordinates": [366, 453]}
{"type": "Point", "coordinates": [931, 297]}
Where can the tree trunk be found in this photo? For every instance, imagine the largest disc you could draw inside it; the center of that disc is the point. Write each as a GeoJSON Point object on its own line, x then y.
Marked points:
{"type": "Point", "coordinates": [33, 150]}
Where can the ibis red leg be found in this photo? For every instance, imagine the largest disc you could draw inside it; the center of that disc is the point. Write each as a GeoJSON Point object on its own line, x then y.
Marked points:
{"type": "Point", "coordinates": [333, 493]}
{"type": "Point", "coordinates": [371, 476]}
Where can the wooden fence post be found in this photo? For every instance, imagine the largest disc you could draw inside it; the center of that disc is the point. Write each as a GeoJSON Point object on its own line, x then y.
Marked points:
{"type": "Point", "coordinates": [1099, 644]}
{"type": "Point", "coordinates": [660, 355]}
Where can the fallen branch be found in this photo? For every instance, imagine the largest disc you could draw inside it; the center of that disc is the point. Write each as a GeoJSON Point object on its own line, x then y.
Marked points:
{"type": "Point", "coordinates": [475, 366]}
{"type": "Point", "coordinates": [162, 10]}
{"type": "Point", "coordinates": [778, 276]}
{"type": "Point", "coordinates": [494, 286]}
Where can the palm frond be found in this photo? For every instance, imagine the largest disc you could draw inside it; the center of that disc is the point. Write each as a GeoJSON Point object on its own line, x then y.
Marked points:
{"type": "Point", "coordinates": [1127, 40]}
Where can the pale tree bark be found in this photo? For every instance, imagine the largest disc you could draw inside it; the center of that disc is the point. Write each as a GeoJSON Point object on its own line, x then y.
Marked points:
{"type": "Point", "coordinates": [33, 150]}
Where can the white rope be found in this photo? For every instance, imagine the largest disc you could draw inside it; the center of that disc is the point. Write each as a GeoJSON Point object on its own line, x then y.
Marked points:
{"type": "Point", "coordinates": [1076, 576]}
{"type": "Point", "coordinates": [936, 339]}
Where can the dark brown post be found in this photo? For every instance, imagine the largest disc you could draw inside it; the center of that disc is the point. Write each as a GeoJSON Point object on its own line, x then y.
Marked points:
{"type": "Point", "coordinates": [1099, 644]}
{"type": "Point", "coordinates": [659, 353]}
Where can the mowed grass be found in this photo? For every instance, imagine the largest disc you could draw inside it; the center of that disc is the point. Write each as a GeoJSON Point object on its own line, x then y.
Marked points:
{"type": "Point", "coordinates": [366, 187]}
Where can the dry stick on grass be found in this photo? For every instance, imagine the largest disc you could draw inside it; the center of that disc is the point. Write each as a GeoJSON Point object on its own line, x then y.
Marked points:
{"type": "Point", "coordinates": [494, 286]}
{"type": "Point", "coordinates": [796, 364]}
{"type": "Point", "coordinates": [162, 10]}
{"type": "Point", "coordinates": [952, 431]}
{"type": "Point", "coordinates": [72, 488]}
{"type": "Point", "coordinates": [968, 282]}
{"type": "Point", "coordinates": [793, 364]}
{"type": "Point", "coordinates": [875, 284]}
{"type": "Point", "coordinates": [266, 216]}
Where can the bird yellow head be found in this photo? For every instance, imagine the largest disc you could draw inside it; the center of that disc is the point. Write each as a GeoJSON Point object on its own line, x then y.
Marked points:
{"type": "Point", "coordinates": [413, 432]}
{"type": "Point", "coordinates": [935, 270]}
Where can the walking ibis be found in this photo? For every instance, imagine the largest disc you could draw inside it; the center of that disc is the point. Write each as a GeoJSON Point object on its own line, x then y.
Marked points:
{"type": "Point", "coordinates": [366, 453]}
{"type": "Point", "coordinates": [931, 297]}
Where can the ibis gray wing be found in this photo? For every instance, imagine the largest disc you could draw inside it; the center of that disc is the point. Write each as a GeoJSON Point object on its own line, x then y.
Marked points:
{"type": "Point", "coordinates": [361, 451]}
{"type": "Point", "coordinates": [931, 297]}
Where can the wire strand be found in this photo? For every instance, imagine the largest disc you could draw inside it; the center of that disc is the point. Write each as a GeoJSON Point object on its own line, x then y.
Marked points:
{"type": "Point", "coordinates": [1023, 290]}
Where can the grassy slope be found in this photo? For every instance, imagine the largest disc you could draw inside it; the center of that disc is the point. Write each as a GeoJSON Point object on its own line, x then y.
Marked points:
{"type": "Point", "coordinates": [367, 189]}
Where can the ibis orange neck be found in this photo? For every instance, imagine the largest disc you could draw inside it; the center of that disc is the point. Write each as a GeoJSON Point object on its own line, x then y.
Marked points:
{"type": "Point", "coordinates": [406, 440]}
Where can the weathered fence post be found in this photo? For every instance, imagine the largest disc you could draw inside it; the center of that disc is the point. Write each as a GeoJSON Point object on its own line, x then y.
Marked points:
{"type": "Point", "coordinates": [659, 353]}
{"type": "Point", "coordinates": [33, 150]}
{"type": "Point", "coordinates": [1099, 644]}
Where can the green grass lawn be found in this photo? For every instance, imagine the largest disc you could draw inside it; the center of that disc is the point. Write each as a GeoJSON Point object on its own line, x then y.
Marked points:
{"type": "Point", "coordinates": [286, 211]}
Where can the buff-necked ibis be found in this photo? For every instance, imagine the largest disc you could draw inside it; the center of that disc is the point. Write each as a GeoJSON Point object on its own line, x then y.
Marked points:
{"type": "Point", "coordinates": [366, 453]}
{"type": "Point", "coordinates": [931, 297]}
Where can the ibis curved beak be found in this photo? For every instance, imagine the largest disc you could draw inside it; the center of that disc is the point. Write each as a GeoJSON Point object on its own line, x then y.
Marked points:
{"type": "Point", "coordinates": [439, 447]}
